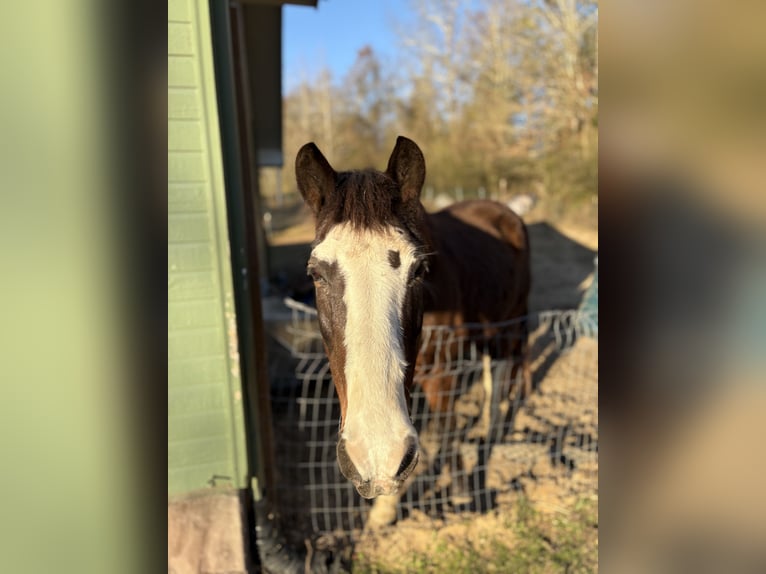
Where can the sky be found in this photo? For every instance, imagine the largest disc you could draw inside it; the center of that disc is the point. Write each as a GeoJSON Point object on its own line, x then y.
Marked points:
{"type": "Point", "coordinates": [332, 34]}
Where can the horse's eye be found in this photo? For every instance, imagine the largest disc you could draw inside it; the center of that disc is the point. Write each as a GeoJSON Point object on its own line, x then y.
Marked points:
{"type": "Point", "coordinates": [315, 275]}
{"type": "Point", "coordinates": [420, 269]}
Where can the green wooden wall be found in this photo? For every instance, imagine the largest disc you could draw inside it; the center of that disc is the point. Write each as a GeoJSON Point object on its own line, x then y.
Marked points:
{"type": "Point", "coordinates": [205, 408]}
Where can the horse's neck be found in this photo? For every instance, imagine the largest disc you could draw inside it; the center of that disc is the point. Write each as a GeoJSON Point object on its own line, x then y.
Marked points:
{"type": "Point", "coordinates": [443, 289]}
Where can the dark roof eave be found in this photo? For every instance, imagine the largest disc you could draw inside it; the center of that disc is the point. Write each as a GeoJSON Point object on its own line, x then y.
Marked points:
{"type": "Point", "coordinates": [312, 3]}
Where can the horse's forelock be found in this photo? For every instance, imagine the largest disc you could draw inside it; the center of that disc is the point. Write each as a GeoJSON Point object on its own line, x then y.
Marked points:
{"type": "Point", "coordinates": [364, 199]}
{"type": "Point", "coordinates": [370, 199]}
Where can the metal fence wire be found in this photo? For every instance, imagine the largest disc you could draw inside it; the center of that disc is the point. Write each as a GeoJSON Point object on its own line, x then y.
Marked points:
{"type": "Point", "coordinates": [480, 448]}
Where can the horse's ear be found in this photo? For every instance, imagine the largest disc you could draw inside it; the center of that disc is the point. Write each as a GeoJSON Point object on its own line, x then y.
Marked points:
{"type": "Point", "coordinates": [407, 167]}
{"type": "Point", "coordinates": [315, 176]}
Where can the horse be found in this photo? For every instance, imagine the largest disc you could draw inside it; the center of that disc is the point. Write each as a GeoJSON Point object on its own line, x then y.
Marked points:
{"type": "Point", "coordinates": [382, 267]}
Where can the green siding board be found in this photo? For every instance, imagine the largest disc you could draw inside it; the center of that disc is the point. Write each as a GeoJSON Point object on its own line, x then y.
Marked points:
{"type": "Point", "coordinates": [191, 286]}
{"type": "Point", "coordinates": [188, 344]}
{"type": "Point", "coordinates": [187, 167]}
{"type": "Point", "coordinates": [180, 38]}
{"type": "Point", "coordinates": [197, 371]}
{"type": "Point", "coordinates": [187, 198]}
{"type": "Point", "coordinates": [182, 73]}
{"type": "Point", "coordinates": [205, 411]}
{"type": "Point", "coordinates": [179, 11]}
{"type": "Point", "coordinates": [190, 257]}
{"type": "Point", "coordinates": [192, 477]}
{"type": "Point", "coordinates": [197, 426]}
{"type": "Point", "coordinates": [183, 105]}
{"type": "Point", "coordinates": [191, 314]}
{"type": "Point", "coordinates": [215, 449]}
{"type": "Point", "coordinates": [188, 227]}
{"type": "Point", "coordinates": [185, 136]}
{"type": "Point", "coordinates": [194, 400]}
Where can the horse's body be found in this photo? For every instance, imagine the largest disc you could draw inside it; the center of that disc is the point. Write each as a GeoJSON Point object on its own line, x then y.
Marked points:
{"type": "Point", "coordinates": [480, 275]}
{"type": "Point", "coordinates": [382, 267]}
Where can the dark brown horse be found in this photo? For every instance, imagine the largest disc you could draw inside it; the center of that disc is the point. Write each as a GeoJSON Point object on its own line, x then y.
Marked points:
{"type": "Point", "coordinates": [382, 267]}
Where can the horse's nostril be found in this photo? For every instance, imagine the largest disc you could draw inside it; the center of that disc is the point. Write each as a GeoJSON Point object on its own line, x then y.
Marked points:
{"type": "Point", "coordinates": [347, 467]}
{"type": "Point", "coordinates": [409, 459]}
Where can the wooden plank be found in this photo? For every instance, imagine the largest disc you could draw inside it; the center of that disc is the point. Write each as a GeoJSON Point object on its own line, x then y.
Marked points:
{"type": "Point", "coordinates": [196, 399]}
{"type": "Point", "coordinates": [188, 227]}
{"type": "Point", "coordinates": [179, 11]}
{"type": "Point", "coordinates": [182, 72]}
{"type": "Point", "coordinates": [194, 371]}
{"type": "Point", "coordinates": [192, 344]}
{"type": "Point", "coordinates": [187, 198]}
{"type": "Point", "coordinates": [194, 314]}
{"type": "Point", "coordinates": [190, 427]}
{"type": "Point", "coordinates": [187, 167]}
{"type": "Point", "coordinates": [185, 136]}
{"type": "Point", "coordinates": [180, 39]}
{"type": "Point", "coordinates": [189, 257]}
{"type": "Point", "coordinates": [216, 449]}
{"type": "Point", "coordinates": [194, 285]}
{"type": "Point", "coordinates": [184, 104]}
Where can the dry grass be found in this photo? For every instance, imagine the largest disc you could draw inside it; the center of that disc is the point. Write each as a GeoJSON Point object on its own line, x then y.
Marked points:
{"type": "Point", "coordinates": [523, 540]}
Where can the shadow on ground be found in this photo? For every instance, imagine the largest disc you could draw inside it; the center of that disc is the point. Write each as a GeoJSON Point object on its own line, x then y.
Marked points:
{"type": "Point", "coordinates": [560, 266]}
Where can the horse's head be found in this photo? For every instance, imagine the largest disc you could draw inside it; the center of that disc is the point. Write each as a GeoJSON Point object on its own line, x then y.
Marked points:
{"type": "Point", "coordinates": [367, 263]}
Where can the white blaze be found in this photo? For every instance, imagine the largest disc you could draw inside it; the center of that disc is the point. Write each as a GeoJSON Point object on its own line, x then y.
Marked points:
{"type": "Point", "coordinates": [377, 421]}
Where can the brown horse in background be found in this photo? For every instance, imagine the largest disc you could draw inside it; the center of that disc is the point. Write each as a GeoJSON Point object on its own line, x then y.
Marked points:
{"type": "Point", "coordinates": [382, 268]}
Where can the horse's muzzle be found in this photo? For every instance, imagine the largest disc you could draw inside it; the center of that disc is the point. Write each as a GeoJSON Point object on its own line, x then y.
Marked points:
{"type": "Point", "coordinates": [377, 486]}
{"type": "Point", "coordinates": [373, 488]}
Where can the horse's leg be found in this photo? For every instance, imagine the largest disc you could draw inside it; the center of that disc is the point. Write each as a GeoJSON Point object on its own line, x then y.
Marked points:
{"type": "Point", "coordinates": [441, 394]}
{"type": "Point", "coordinates": [488, 405]}
{"type": "Point", "coordinates": [521, 375]}
{"type": "Point", "coordinates": [526, 374]}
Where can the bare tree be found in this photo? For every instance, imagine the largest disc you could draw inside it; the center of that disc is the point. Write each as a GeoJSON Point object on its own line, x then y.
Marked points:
{"type": "Point", "coordinates": [492, 90]}
{"type": "Point", "coordinates": [569, 28]}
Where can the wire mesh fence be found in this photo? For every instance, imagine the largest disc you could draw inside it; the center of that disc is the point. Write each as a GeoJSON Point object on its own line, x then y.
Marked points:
{"type": "Point", "coordinates": [483, 438]}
